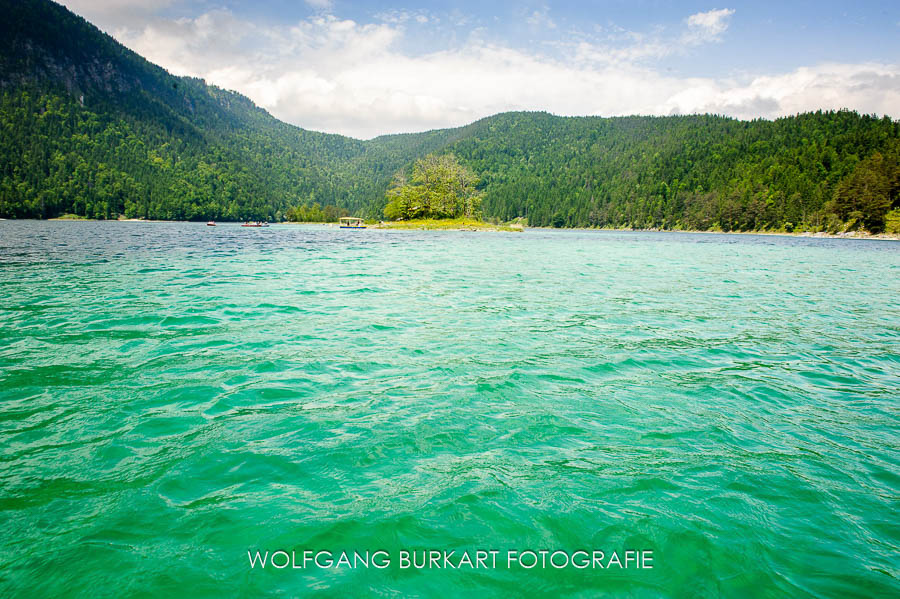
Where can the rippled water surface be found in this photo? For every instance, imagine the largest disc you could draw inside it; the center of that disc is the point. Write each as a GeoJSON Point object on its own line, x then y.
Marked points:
{"type": "Point", "coordinates": [174, 395]}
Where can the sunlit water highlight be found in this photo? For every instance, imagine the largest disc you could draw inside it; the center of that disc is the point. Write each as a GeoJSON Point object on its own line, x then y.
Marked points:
{"type": "Point", "coordinates": [172, 395]}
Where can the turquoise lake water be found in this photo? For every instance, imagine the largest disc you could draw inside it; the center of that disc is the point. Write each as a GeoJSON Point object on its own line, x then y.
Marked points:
{"type": "Point", "coordinates": [173, 396]}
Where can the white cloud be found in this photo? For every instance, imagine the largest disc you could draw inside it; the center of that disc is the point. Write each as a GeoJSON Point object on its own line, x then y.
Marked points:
{"type": "Point", "coordinates": [870, 88]}
{"type": "Point", "coordinates": [631, 46]}
{"type": "Point", "coordinates": [707, 26]}
{"type": "Point", "coordinates": [94, 7]}
{"type": "Point", "coordinates": [111, 14]}
{"type": "Point", "coordinates": [195, 46]}
{"type": "Point", "coordinates": [338, 75]}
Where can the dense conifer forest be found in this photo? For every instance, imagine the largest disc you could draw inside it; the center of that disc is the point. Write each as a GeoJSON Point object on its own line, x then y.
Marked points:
{"type": "Point", "coordinates": [90, 128]}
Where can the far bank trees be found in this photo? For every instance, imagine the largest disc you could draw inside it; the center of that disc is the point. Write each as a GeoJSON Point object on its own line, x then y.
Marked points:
{"type": "Point", "coordinates": [866, 196]}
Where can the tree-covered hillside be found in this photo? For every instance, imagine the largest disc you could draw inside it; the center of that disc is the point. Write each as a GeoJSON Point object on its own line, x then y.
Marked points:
{"type": "Point", "coordinates": [91, 128]}
{"type": "Point", "coordinates": [692, 172]}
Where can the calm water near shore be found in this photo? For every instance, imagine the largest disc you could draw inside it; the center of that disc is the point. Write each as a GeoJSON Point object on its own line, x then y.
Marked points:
{"type": "Point", "coordinates": [173, 395]}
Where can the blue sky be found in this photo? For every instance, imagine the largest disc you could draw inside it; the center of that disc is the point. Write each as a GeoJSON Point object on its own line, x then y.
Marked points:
{"type": "Point", "coordinates": [373, 67]}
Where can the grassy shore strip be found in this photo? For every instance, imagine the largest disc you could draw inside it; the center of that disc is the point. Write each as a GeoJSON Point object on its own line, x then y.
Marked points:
{"type": "Point", "coordinates": [70, 217]}
{"type": "Point", "coordinates": [446, 224]}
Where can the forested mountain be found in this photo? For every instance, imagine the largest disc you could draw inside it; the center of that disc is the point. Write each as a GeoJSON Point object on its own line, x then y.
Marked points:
{"type": "Point", "coordinates": [91, 128]}
{"type": "Point", "coordinates": [691, 172]}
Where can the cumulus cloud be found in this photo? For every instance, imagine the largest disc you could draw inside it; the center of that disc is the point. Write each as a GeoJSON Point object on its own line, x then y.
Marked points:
{"type": "Point", "coordinates": [871, 88]}
{"type": "Point", "coordinates": [196, 46]}
{"type": "Point", "coordinates": [338, 75]}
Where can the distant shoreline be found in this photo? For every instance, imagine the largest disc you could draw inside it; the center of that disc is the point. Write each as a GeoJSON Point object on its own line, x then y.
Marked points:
{"type": "Point", "coordinates": [806, 234]}
{"type": "Point", "coordinates": [491, 227]}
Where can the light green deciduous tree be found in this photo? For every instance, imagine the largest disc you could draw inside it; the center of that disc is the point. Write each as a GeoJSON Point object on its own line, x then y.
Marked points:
{"type": "Point", "coordinates": [440, 187]}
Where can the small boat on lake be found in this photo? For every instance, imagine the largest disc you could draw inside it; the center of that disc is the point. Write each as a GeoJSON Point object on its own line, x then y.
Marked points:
{"type": "Point", "coordinates": [211, 223]}
{"type": "Point", "coordinates": [351, 222]}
